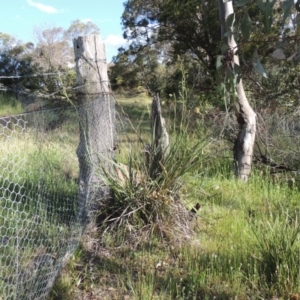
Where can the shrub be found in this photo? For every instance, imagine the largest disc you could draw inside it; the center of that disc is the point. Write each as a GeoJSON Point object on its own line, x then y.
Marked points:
{"type": "Point", "coordinates": [146, 195]}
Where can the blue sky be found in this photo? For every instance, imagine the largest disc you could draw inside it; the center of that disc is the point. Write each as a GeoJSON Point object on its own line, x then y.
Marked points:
{"type": "Point", "coordinates": [19, 17]}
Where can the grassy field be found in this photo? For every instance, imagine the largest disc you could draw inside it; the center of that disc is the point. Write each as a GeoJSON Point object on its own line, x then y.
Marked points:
{"type": "Point", "coordinates": [244, 239]}
{"type": "Point", "coordinates": [245, 243]}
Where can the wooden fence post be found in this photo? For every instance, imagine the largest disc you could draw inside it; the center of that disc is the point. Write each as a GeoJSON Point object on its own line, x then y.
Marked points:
{"type": "Point", "coordinates": [158, 151]}
{"type": "Point", "coordinates": [158, 127]}
{"type": "Point", "coordinates": [96, 121]}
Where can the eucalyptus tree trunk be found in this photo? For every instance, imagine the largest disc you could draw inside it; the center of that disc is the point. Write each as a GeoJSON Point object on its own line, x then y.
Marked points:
{"type": "Point", "coordinates": [246, 117]}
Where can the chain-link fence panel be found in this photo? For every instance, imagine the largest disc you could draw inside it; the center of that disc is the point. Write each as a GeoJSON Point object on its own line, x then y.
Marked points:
{"type": "Point", "coordinates": [39, 221]}
{"type": "Point", "coordinates": [43, 210]}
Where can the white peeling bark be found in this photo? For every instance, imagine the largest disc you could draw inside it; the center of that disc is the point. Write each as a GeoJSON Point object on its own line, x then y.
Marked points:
{"type": "Point", "coordinates": [246, 117]}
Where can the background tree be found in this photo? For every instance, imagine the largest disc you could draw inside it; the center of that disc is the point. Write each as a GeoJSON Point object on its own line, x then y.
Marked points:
{"type": "Point", "coordinates": [184, 30]}
{"type": "Point", "coordinates": [52, 49]}
{"type": "Point", "coordinates": [16, 65]}
{"type": "Point", "coordinates": [266, 35]}
{"type": "Point", "coordinates": [188, 28]}
{"type": "Point", "coordinates": [47, 65]}
{"type": "Point", "coordinates": [79, 28]}
{"type": "Point", "coordinates": [54, 54]}
{"type": "Point", "coordinates": [244, 144]}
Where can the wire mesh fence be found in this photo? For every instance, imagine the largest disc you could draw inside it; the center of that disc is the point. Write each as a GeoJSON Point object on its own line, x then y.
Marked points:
{"type": "Point", "coordinates": [277, 143]}
{"type": "Point", "coordinates": [41, 214]}
{"type": "Point", "coordinates": [51, 165]}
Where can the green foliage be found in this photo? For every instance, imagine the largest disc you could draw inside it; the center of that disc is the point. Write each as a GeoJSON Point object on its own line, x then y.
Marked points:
{"type": "Point", "coordinates": [266, 42]}
{"type": "Point", "coordinates": [15, 61]}
{"type": "Point", "coordinates": [160, 35]}
{"type": "Point", "coordinates": [123, 72]}
{"type": "Point", "coordinates": [267, 8]}
{"type": "Point", "coordinates": [241, 3]}
{"type": "Point", "coordinates": [287, 7]}
{"type": "Point", "coordinates": [246, 26]}
{"type": "Point", "coordinates": [259, 67]}
{"type": "Point", "coordinates": [260, 27]}
{"type": "Point", "coordinates": [197, 35]}
{"type": "Point", "coordinates": [6, 41]}
{"type": "Point", "coordinates": [159, 28]}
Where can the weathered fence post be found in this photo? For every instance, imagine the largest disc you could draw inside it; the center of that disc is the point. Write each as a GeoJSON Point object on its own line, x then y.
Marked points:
{"type": "Point", "coordinates": [97, 123]}
{"type": "Point", "coordinates": [158, 127]}
{"type": "Point", "coordinates": [155, 156]}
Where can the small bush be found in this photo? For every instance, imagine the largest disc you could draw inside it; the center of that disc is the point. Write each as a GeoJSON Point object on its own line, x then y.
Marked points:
{"type": "Point", "coordinates": [146, 192]}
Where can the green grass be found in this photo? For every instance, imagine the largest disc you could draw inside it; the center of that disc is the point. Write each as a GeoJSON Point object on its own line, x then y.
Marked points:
{"type": "Point", "coordinates": [134, 114]}
{"type": "Point", "coordinates": [246, 242]}
{"type": "Point", "coordinates": [9, 105]}
{"type": "Point", "coordinates": [246, 247]}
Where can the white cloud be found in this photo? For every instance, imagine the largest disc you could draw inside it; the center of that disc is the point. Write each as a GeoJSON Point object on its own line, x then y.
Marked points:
{"type": "Point", "coordinates": [115, 40]}
{"type": "Point", "coordinates": [42, 7]}
{"type": "Point", "coordinates": [86, 20]}
{"type": "Point", "coordinates": [112, 43]}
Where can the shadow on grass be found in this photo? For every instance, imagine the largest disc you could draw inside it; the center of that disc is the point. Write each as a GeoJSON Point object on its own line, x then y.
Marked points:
{"type": "Point", "coordinates": [151, 272]}
{"type": "Point", "coordinates": [39, 229]}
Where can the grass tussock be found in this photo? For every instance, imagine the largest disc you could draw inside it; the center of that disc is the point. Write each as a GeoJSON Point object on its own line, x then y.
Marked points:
{"type": "Point", "coordinates": [147, 190]}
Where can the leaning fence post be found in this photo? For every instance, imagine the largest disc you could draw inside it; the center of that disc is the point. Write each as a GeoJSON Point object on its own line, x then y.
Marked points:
{"type": "Point", "coordinates": [156, 155]}
{"type": "Point", "coordinates": [158, 127]}
{"type": "Point", "coordinates": [96, 121]}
